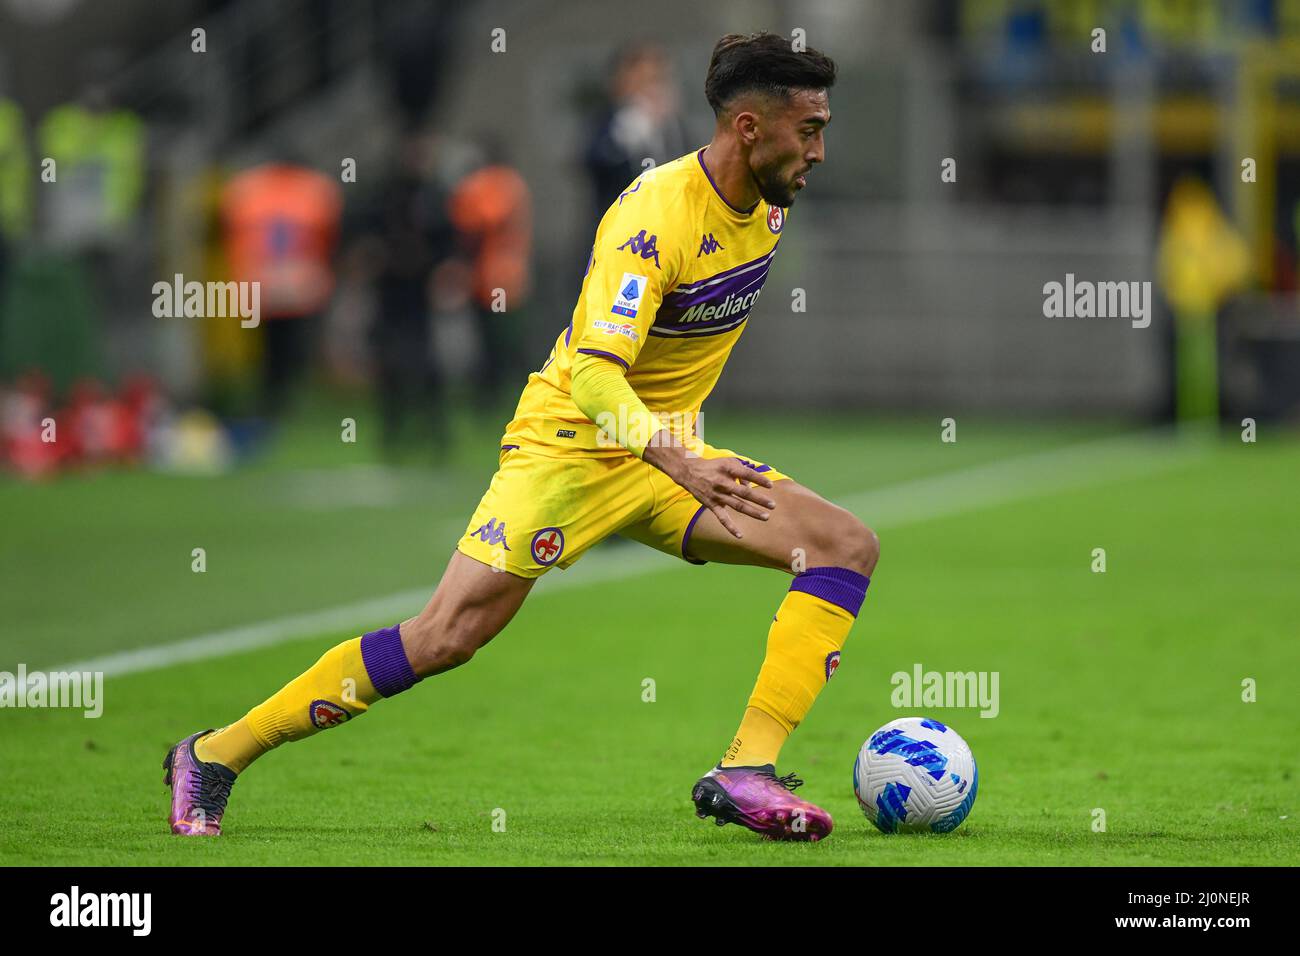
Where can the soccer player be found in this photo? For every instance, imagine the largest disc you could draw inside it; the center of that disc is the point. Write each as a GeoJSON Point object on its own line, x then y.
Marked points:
{"type": "Point", "coordinates": [604, 442]}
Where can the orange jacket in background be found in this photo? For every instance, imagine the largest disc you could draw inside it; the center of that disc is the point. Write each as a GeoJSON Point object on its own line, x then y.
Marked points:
{"type": "Point", "coordinates": [281, 223]}
{"type": "Point", "coordinates": [492, 210]}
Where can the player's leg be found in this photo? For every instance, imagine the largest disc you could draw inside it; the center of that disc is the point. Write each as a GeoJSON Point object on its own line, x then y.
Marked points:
{"type": "Point", "coordinates": [471, 605]}
{"type": "Point", "coordinates": [803, 531]}
{"type": "Point", "coordinates": [539, 512]}
{"type": "Point", "coordinates": [832, 555]}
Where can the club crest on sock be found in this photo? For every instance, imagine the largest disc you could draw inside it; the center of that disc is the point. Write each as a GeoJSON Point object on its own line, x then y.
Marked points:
{"type": "Point", "coordinates": [325, 714]}
{"type": "Point", "coordinates": [832, 663]}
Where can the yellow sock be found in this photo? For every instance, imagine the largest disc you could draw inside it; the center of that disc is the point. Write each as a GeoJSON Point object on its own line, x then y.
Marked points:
{"type": "Point", "coordinates": [803, 651]}
{"type": "Point", "coordinates": [757, 742]}
{"type": "Point", "coordinates": [343, 684]}
{"type": "Point", "coordinates": [233, 746]}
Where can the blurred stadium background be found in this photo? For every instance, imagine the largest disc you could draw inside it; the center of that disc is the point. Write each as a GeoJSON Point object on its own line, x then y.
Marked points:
{"type": "Point", "coordinates": [478, 170]}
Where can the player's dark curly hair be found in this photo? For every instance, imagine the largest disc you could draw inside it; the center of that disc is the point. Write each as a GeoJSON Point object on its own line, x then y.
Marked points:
{"type": "Point", "coordinates": [763, 62]}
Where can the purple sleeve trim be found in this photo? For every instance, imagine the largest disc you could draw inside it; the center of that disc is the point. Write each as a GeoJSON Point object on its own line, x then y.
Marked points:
{"type": "Point", "coordinates": [838, 586]}
{"type": "Point", "coordinates": [608, 355]}
{"type": "Point", "coordinates": [386, 663]}
{"type": "Point", "coordinates": [686, 535]}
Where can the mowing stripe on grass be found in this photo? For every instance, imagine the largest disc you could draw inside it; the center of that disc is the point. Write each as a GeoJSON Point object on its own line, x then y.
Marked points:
{"type": "Point", "coordinates": [1059, 470]}
{"type": "Point", "coordinates": [969, 489]}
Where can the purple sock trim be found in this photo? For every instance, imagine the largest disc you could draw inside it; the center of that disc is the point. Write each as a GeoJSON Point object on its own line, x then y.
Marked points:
{"type": "Point", "coordinates": [386, 663]}
{"type": "Point", "coordinates": [838, 586]}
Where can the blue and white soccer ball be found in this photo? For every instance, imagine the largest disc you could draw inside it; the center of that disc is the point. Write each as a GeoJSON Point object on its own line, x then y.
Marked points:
{"type": "Point", "coordinates": [914, 775]}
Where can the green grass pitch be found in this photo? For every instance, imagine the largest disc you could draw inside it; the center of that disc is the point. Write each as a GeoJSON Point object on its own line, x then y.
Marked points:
{"type": "Point", "coordinates": [1119, 690]}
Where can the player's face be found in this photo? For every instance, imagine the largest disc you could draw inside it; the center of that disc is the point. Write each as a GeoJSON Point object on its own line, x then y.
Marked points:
{"type": "Point", "coordinates": [789, 145]}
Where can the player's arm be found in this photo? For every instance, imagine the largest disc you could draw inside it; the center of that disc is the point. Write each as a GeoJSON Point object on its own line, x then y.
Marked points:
{"type": "Point", "coordinates": [635, 262]}
{"type": "Point", "coordinates": [632, 268]}
{"type": "Point", "coordinates": [717, 483]}
{"type": "Point", "coordinates": [601, 391]}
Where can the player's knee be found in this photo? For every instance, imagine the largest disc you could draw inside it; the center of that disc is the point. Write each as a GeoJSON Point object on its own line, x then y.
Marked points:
{"type": "Point", "coordinates": [442, 638]}
{"type": "Point", "coordinates": [865, 549]}
{"type": "Point", "coordinates": [850, 543]}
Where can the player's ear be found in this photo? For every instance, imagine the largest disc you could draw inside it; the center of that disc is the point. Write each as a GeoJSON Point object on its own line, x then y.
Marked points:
{"type": "Point", "coordinates": [745, 124]}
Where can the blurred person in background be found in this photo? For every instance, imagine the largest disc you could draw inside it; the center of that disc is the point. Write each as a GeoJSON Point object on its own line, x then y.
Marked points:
{"type": "Point", "coordinates": [15, 192]}
{"type": "Point", "coordinates": [641, 121]}
{"type": "Point", "coordinates": [491, 209]}
{"type": "Point", "coordinates": [418, 49]}
{"type": "Point", "coordinates": [82, 289]}
{"type": "Point", "coordinates": [99, 152]}
{"type": "Point", "coordinates": [405, 235]}
{"type": "Point", "coordinates": [280, 224]}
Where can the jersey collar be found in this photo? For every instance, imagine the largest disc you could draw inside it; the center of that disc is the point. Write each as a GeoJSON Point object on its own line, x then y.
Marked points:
{"type": "Point", "coordinates": [699, 155]}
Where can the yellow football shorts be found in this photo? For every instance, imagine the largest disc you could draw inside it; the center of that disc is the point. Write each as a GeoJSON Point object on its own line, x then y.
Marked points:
{"type": "Point", "coordinates": [542, 512]}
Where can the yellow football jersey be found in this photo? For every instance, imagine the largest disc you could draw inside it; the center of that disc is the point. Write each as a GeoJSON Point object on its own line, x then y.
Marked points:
{"type": "Point", "coordinates": [674, 273]}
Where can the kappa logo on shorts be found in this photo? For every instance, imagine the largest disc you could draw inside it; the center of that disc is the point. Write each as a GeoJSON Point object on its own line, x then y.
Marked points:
{"type": "Point", "coordinates": [548, 545]}
{"type": "Point", "coordinates": [492, 533]}
{"type": "Point", "coordinates": [832, 663]}
{"type": "Point", "coordinates": [326, 714]}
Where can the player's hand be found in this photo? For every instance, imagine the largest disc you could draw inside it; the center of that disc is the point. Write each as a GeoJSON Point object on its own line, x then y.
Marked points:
{"type": "Point", "coordinates": [720, 484]}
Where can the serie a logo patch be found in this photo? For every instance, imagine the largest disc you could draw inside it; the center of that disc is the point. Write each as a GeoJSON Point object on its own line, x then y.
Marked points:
{"type": "Point", "coordinates": [325, 714]}
{"type": "Point", "coordinates": [628, 300]}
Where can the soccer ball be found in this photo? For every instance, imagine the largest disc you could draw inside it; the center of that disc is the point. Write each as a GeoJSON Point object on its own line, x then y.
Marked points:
{"type": "Point", "coordinates": [915, 775]}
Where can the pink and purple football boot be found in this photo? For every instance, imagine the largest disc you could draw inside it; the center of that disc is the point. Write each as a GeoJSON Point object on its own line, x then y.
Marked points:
{"type": "Point", "coordinates": [755, 797]}
{"type": "Point", "coordinates": [199, 790]}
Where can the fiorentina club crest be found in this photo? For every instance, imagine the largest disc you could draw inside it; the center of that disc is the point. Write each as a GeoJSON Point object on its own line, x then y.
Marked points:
{"type": "Point", "coordinates": [832, 663]}
{"type": "Point", "coordinates": [775, 218]}
{"type": "Point", "coordinates": [325, 714]}
{"type": "Point", "coordinates": [548, 545]}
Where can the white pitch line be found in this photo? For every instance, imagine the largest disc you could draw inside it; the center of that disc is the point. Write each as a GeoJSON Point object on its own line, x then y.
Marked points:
{"type": "Point", "coordinates": [923, 499]}
{"type": "Point", "coordinates": [1070, 467]}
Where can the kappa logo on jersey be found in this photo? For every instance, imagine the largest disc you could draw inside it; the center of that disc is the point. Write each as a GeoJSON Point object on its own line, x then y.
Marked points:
{"type": "Point", "coordinates": [708, 246]}
{"type": "Point", "coordinates": [325, 713]}
{"type": "Point", "coordinates": [628, 299]}
{"type": "Point", "coordinates": [548, 545]}
{"type": "Point", "coordinates": [644, 247]}
{"type": "Point", "coordinates": [624, 195]}
{"type": "Point", "coordinates": [775, 219]}
{"type": "Point", "coordinates": [617, 328]}
{"type": "Point", "coordinates": [832, 663]}
{"type": "Point", "coordinates": [492, 533]}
